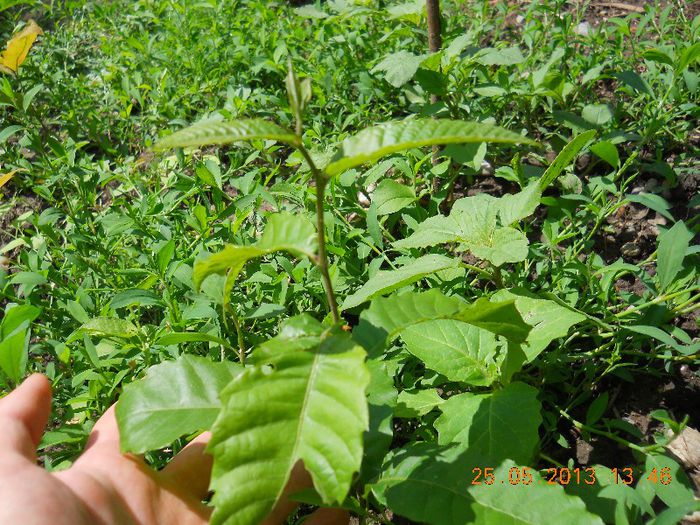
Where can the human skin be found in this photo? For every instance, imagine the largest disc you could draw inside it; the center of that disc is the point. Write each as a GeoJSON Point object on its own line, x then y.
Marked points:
{"type": "Point", "coordinates": [104, 486]}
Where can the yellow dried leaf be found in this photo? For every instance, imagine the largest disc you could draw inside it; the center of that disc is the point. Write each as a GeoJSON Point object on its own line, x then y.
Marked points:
{"type": "Point", "coordinates": [4, 179]}
{"type": "Point", "coordinates": [18, 47]}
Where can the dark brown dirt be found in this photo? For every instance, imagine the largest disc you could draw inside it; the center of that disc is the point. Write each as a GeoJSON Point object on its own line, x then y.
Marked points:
{"type": "Point", "coordinates": [21, 205]}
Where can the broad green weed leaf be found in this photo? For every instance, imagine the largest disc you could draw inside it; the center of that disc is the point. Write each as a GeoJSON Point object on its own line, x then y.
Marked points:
{"type": "Point", "coordinates": [474, 222]}
{"type": "Point", "coordinates": [13, 352]}
{"type": "Point", "coordinates": [391, 196]}
{"type": "Point", "coordinates": [614, 502]}
{"type": "Point", "coordinates": [175, 398]}
{"type": "Point", "coordinates": [499, 246]}
{"type": "Point", "coordinates": [431, 484]}
{"type": "Point", "coordinates": [107, 327]}
{"type": "Point", "coordinates": [508, 56]}
{"type": "Point", "coordinates": [673, 243]}
{"type": "Point", "coordinates": [18, 48]}
{"type": "Point", "coordinates": [399, 67]}
{"type": "Point", "coordinates": [386, 281]}
{"type": "Point", "coordinates": [386, 317]}
{"type": "Point", "coordinates": [15, 316]}
{"type": "Point", "coordinates": [284, 232]}
{"type": "Point", "coordinates": [677, 488]}
{"type": "Point", "coordinates": [373, 143]}
{"type": "Point", "coordinates": [565, 157]}
{"type": "Point", "coordinates": [656, 55]}
{"type": "Point", "coordinates": [500, 425]}
{"type": "Point", "coordinates": [309, 406]}
{"type": "Point", "coordinates": [459, 351]}
{"type": "Point", "coordinates": [514, 207]}
{"type": "Point", "coordinates": [608, 152]}
{"type": "Point", "coordinates": [218, 132]}
{"type": "Point", "coordinates": [597, 114]}
{"type": "Point", "coordinates": [549, 320]}
{"type": "Point", "coordinates": [417, 403]}
{"type": "Point", "coordinates": [382, 322]}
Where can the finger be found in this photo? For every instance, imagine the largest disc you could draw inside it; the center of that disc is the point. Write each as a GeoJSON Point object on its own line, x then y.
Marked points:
{"type": "Point", "coordinates": [104, 438]}
{"type": "Point", "coordinates": [190, 469]}
{"type": "Point", "coordinates": [30, 406]}
{"type": "Point", "coordinates": [328, 517]}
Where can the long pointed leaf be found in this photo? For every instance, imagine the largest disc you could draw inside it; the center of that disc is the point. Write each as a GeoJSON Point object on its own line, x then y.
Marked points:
{"type": "Point", "coordinates": [373, 143]}
{"type": "Point", "coordinates": [217, 132]}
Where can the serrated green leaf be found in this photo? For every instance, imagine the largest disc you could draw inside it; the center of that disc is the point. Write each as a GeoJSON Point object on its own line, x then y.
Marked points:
{"type": "Point", "coordinates": [673, 244]}
{"type": "Point", "coordinates": [175, 398]}
{"type": "Point", "coordinates": [386, 317]}
{"type": "Point", "coordinates": [416, 403]}
{"type": "Point", "coordinates": [109, 327]}
{"type": "Point", "coordinates": [474, 222]}
{"type": "Point", "coordinates": [386, 281]}
{"type": "Point", "coordinates": [564, 158]}
{"type": "Point", "coordinates": [549, 320]}
{"type": "Point", "coordinates": [309, 406]}
{"type": "Point", "coordinates": [501, 425]}
{"type": "Point", "coordinates": [399, 67]}
{"type": "Point", "coordinates": [459, 351]}
{"type": "Point", "coordinates": [217, 132]}
{"type": "Point", "coordinates": [508, 56]}
{"type": "Point", "coordinates": [373, 143]}
{"type": "Point", "coordinates": [390, 197]}
{"type": "Point", "coordinates": [284, 232]}
{"type": "Point", "coordinates": [430, 484]}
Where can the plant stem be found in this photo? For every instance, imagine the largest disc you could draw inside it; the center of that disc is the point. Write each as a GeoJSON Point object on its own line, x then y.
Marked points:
{"type": "Point", "coordinates": [432, 8]}
{"type": "Point", "coordinates": [322, 261]}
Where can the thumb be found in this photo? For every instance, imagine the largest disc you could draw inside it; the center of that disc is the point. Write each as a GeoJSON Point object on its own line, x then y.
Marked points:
{"type": "Point", "coordinates": [24, 413]}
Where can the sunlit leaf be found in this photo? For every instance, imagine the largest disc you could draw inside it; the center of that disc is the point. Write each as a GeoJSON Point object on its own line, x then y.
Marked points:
{"type": "Point", "coordinates": [309, 405]}
{"type": "Point", "coordinates": [175, 398]}
{"type": "Point", "coordinates": [18, 47]}
{"type": "Point", "coordinates": [4, 179]}
{"type": "Point", "coordinates": [284, 232]}
{"type": "Point", "coordinates": [386, 281]}
{"type": "Point", "coordinates": [373, 143]}
{"type": "Point", "coordinates": [217, 132]}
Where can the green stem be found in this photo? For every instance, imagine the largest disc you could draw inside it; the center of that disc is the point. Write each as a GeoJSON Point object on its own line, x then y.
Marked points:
{"type": "Point", "coordinates": [659, 299]}
{"type": "Point", "coordinates": [322, 260]}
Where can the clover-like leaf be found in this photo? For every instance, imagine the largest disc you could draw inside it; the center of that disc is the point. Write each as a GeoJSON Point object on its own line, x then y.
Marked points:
{"type": "Point", "coordinates": [373, 143]}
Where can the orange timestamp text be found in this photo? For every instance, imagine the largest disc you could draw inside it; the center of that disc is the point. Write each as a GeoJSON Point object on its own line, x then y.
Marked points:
{"type": "Point", "coordinates": [567, 476]}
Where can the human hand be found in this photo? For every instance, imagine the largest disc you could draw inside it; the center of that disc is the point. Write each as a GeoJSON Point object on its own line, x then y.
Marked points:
{"type": "Point", "coordinates": [104, 486]}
